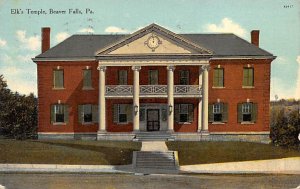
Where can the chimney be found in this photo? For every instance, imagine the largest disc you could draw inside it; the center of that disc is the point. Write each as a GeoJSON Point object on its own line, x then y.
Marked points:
{"type": "Point", "coordinates": [45, 39]}
{"type": "Point", "coordinates": [255, 37]}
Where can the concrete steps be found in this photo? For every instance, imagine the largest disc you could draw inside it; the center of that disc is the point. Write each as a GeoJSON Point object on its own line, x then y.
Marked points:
{"type": "Point", "coordinates": [153, 136]}
{"type": "Point", "coordinates": [155, 160]}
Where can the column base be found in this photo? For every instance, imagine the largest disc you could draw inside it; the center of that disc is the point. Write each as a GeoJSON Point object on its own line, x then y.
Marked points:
{"type": "Point", "coordinates": [204, 132]}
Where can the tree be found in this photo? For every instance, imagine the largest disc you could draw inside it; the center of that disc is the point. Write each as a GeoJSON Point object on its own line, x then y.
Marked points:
{"type": "Point", "coordinates": [18, 113]}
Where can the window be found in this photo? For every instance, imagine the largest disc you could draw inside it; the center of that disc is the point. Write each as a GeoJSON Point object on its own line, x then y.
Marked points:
{"type": "Point", "coordinates": [153, 77]}
{"type": "Point", "coordinates": [87, 78]}
{"type": "Point", "coordinates": [88, 113]}
{"type": "Point", "coordinates": [184, 77]}
{"type": "Point", "coordinates": [218, 112]}
{"type": "Point", "coordinates": [248, 77]}
{"type": "Point", "coordinates": [122, 77]}
{"type": "Point", "coordinates": [59, 113]}
{"type": "Point", "coordinates": [58, 79]}
{"type": "Point", "coordinates": [247, 112]}
{"type": "Point", "coordinates": [122, 113]}
{"type": "Point", "coordinates": [184, 113]}
{"type": "Point", "coordinates": [218, 80]}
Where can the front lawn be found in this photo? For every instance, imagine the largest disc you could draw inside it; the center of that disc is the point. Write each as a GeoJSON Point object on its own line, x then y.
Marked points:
{"type": "Point", "coordinates": [67, 152]}
{"type": "Point", "coordinates": [215, 152]}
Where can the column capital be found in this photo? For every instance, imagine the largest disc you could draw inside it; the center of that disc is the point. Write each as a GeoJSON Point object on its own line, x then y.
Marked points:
{"type": "Point", "coordinates": [101, 68]}
{"type": "Point", "coordinates": [136, 68]}
{"type": "Point", "coordinates": [205, 67]}
{"type": "Point", "coordinates": [171, 67]}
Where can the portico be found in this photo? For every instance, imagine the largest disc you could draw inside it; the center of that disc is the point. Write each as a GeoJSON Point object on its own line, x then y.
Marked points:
{"type": "Point", "coordinates": [169, 92]}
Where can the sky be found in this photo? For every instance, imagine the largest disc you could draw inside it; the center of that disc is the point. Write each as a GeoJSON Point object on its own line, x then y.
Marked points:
{"type": "Point", "coordinates": [277, 20]}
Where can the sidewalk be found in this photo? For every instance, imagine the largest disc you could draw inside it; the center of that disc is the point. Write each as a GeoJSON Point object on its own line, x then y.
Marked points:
{"type": "Point", "coordinates": [154, 146]}
{"type": "Point", "coordinates": [273, 166]}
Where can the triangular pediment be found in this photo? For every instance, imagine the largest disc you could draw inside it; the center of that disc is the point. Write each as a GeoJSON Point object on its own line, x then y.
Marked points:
{"type": "Point", "coordinates": [153, 39]}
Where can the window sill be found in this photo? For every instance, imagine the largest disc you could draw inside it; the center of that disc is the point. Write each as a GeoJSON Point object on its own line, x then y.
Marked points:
{"type": "Point", "coordinates": [123, 123]}
{"type": "Point", "coordinates": [247, 123]}
{"type": "Point", "coordinates": [185, 123]}
{"type": "Point", "coordinates": [87, 88]}
{"type": "Point", "coordinates": [59, 123]}
{"type": "Point", "coordinates": [218, 123]}
{"type": "Point", "coordinates": [248, 87]}
{"type": "Point", "coordinates": [88, 123]}
{"type": "Point", "coordinates": [58, 88]}
{"type": "Point", "coordinates": [218, 87]}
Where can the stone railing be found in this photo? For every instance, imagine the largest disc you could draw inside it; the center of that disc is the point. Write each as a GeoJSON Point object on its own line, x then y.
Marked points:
{"type": "Point", "coordinates": [152, 90]}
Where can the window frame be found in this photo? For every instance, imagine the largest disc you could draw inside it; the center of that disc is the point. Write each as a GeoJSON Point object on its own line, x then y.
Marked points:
{"type": "Point", "coordinates": [54, 73]}
{"type": "Point", "coordinates": [84, 79]}
{"type": "Point", "coordinates": [188, 113]}
{"type": "Point", "coordinates": [183, 77]}
{"type": "Point", "coordinates": [124, 80]}
{"type": "Point", "coordinates": [150, 79]}
{"type": "Point", "coordinates": [64, 112]}
{"type": "Point", "coordinates": [218, 80]}
{"type": "Point", "coordinates": [247, 78]}
{"type": "Point", "coordinates": [125, 113]}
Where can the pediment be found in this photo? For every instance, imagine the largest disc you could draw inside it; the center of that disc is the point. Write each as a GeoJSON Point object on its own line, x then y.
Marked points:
{"type": "Point", "coordinates": [152, 40]}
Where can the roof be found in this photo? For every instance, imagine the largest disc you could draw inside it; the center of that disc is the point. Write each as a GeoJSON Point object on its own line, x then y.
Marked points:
{"type": "Point", "coordinates": [85, 46]}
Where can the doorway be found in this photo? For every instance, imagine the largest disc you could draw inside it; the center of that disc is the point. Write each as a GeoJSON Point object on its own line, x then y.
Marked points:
{"type": "Point", "coordinates": [153, 122]}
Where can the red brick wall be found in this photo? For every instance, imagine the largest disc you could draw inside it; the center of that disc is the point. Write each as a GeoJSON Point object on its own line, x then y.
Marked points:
{"type": "Point", "coordinates": [233, 93]}
{"type": "Point", "coordinates": [71, 95]}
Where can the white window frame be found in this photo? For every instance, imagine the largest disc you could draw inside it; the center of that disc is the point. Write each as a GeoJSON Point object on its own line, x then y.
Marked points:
{"type": "Point", "coordinates": [57, 109]}
{"type": "Point", "coordinates": [119, 113]}
{"type": "Point", "coordinates": [181, 112]}
{"type": "Point", "coordinates": [83, 112]}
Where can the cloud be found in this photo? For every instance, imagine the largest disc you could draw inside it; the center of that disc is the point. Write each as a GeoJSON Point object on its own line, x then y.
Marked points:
{"type": "Point", "coordinates": [2, 43]}
{"type": "Point", "coordinates": [281, 89]}
{"type": "Point", "coordinates": [32, 42]}
{"type": "Point", "coordinates": [297, 95]}
{"type": "Point", "coordinates": [61, 36]}
{"type": "Point", "coordinates": [226, 26]}
{"type": "Point", "coordinates": [19, 72]}
{"type": "Point", "coordinates": [86, 30]}
{"type": "Point", "coordinates": [114, 29]}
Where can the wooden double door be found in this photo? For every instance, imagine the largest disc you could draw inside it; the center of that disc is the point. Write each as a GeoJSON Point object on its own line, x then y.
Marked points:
{"type": "Point", "coordinates": [153, 120]}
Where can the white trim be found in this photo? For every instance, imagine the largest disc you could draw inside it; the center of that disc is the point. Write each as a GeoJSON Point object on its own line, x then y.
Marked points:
{"type": "Point", "coordinates": [241, 133]}
{"type": "Point", "coordinates": [65, 133]}
{"type": "Point", "coordinates": [152, 62]}
{"type": "Point", "coordinates": [62, 59]}
{"type": "Point", "coordinates": [243, 57]}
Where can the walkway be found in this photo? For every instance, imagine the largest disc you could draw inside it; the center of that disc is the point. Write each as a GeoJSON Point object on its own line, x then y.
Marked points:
{"type": "Point", "coordinates": [157, 146]}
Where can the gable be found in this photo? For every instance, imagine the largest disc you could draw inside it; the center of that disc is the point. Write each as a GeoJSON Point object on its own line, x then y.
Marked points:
{"type": "Point", "coordinates": [153, 39]}
{"type": "Point", "coordinates": [163, 46]}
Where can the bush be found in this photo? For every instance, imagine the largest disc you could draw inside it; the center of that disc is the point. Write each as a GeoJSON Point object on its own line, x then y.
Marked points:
{"type": "Point", "coordinates": [285, 128]}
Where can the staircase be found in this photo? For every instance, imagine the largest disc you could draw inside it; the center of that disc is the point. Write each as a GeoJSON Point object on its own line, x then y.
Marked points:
{"type": "Point", "coordinates": [153, 136]}
{"type": "Point", "coordinates": [157, 162]}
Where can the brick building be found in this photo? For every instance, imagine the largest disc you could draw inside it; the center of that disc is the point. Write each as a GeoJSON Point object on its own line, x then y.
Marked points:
{"type": "Point", "coordinates": [154, 83]}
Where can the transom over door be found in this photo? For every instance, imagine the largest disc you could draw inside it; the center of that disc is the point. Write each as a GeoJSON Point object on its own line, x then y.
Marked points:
{"type": "Point", "coordinates": [153, 120]}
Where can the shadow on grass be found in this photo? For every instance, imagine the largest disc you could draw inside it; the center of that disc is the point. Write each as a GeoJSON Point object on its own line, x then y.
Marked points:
{"type": "Point", "coordinates": [113, 155]}
{"type": "Point", "coordinates": [217, 152]}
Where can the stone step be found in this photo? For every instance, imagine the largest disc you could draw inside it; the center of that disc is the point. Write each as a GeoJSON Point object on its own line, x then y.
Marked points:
{"type": "Point", "coordinates": [155, 160]}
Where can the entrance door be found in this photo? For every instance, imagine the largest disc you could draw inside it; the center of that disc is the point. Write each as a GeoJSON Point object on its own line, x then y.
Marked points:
{"type": "Point", "coordinates": [153, 120]}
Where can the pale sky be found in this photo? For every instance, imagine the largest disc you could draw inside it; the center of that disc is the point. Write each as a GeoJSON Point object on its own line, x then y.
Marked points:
{"type": "Point", "coordinates": [277, 20]}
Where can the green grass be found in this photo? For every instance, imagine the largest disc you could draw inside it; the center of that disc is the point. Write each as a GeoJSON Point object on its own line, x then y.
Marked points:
{"type": "Point", "coordinates": [215, 152]}
{"type": "Point", "coordinates": [67, 152]}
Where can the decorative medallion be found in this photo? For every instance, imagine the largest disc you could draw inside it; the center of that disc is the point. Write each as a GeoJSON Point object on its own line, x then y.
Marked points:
{"type": "Point", "coordinates": [153, 42]}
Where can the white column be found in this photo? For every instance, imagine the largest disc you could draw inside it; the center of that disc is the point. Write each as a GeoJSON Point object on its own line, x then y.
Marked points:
{"type": "Point", "coordinates": [102, 109]}
{"type": "Point", "coordinates": [200, 101]}
{"type": "Point", "coordinates": [205, 98]}
{"type": "Point", "coordinates": [136, 97]}
{"type": "Point", "coordinates": [171, 98]}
